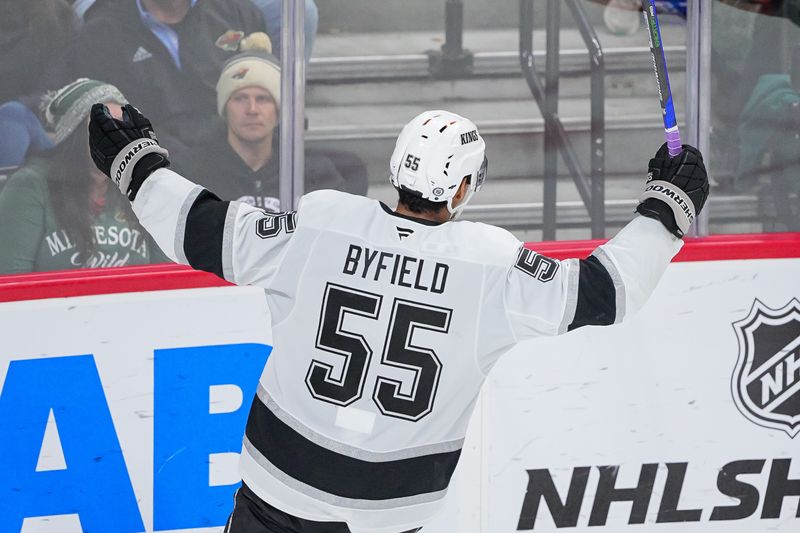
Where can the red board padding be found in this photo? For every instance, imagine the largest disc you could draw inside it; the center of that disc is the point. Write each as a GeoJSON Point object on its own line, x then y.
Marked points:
{"type": "Point", "coordinates": [714, 248]}
{"type": "Point", "coordinates": [87, 282]}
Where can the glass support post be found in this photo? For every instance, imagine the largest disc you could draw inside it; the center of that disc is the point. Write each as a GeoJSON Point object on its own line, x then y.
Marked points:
{"type": "Point", "coordinates": [292, 112]}
{"type": "Point", "coordinates": [698, 90]}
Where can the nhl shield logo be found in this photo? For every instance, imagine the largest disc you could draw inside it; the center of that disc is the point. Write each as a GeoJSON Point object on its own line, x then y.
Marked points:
{"type": "Point", "coordinates": [766, 381]}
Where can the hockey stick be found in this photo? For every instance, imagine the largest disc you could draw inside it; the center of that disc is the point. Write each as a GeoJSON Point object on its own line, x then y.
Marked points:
{"type": "Point", "coordinates": [671, 132]}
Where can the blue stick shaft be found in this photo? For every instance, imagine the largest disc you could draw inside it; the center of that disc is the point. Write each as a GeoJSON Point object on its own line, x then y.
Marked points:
{"type": "Point", "coordinates": [671, 132]}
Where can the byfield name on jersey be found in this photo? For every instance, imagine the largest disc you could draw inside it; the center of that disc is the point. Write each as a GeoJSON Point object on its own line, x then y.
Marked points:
{"type": "Point", "coordinates": [397, 269]}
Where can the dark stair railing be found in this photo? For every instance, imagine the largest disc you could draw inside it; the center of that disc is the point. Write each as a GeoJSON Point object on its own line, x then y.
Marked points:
{"type": "Point", "coordinates": [452, 61]}
{"type": "Point", "coordinates": [556, 141]}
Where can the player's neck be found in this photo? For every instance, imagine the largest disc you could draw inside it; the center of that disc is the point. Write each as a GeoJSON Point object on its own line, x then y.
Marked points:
{"type": "Point", "coordinates": [441, 216]}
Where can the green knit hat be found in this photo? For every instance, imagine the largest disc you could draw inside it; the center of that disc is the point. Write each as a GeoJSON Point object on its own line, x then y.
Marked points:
{"type": "Point", "coordinates": [67, 108]}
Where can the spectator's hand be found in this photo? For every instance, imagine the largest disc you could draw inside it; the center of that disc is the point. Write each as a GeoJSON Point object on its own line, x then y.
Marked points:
{"type": "Point", "coordinates": [676, 189]}
{"type": "Point", "coordinates": [127, 150]}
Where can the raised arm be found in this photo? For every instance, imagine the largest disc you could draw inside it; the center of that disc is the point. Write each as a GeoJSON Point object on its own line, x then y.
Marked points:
{"type": "Point", "coordinates": [191, 225]}
{"type": "Point", "coordinates": [546, 297]}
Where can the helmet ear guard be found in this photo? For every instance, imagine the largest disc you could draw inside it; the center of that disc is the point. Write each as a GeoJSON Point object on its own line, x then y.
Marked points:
{"type": "Point", "coordinates": [475, 184]}
{"type": "Point", "coordinates": [480, 176]}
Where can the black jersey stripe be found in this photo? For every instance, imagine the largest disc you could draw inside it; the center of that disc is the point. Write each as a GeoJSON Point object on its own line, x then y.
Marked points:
{"type": "Point", "coordinates": [255, 465]}
{"type": "Point", "coordinates": [597, 295]}
{"type": "Point", "coordinates": [342, 475]}
{"type": "Point", "coordinates": [205, 228]}
{"type": "Point", "coordinates": [352, 451]}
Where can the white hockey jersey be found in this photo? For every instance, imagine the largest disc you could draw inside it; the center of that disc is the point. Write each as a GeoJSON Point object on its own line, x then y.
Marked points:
{"type": "Point", "coordinates": [384, 328]}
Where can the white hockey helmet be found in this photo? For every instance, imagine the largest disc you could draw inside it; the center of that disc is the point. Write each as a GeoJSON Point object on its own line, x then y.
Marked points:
{"type": "Point", "coordinates": [434, 153]}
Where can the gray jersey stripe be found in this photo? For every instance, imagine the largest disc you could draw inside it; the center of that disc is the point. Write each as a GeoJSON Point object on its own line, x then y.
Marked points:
{"type": "Point", "coordinates": [180, 231]}
{"type": "Point", "coordinates": [572, 295]}
{"type": "Point", "coordinates": [332, 499]}
{"type": "Point", "coordinates": [350, 451]}
{"type": "Point", "coordinates": [619, 286]}
{"type": "Point", "coordinates": [227, 241]}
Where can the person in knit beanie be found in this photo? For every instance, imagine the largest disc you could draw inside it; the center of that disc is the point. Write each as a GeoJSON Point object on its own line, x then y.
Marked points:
{"type": "Point", "coordinates": [255, 66]}
{"type": "Point", "coordinates": [248, 100]}
{"type": "Point", "coordinates": [242, 163]}
{"type": "Point", "coordinates": [58, 211]}
{"type": "Point", "coordinates": [46, 119]}
{"type": "Point", "coordinates": [67, 108]}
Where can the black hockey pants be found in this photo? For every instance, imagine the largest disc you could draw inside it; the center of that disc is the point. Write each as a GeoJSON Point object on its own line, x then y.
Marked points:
{"type": "Point", "coordinates": [253, 515]}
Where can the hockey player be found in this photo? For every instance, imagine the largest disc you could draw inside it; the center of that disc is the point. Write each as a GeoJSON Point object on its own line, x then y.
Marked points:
{"type": "Point", "coordinates": [385, 321]}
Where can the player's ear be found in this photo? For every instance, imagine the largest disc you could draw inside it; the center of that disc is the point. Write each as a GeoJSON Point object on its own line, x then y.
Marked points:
{"type": "Point", "coordinates": [461, 193]}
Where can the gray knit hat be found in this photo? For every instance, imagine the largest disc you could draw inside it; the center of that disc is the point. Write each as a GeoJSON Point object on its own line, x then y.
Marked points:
{"type": "Point", "coordinates": [67, 108]}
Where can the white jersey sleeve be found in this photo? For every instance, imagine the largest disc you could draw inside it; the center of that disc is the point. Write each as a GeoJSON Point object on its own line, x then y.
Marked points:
{"type": "Point", "coordinates": [235, 241]}
{"type": "Point", "coordinates": [544, 296]}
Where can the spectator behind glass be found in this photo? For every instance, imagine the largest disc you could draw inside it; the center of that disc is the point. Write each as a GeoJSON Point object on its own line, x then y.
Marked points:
{"type": "Point", "coordinates": [20, 132]}
{"type": "Point", "coordinates": [163, 54]}
{"type": "Point", "coordinates": [271, 9]}
{"type": "Point", "coordinates": [32, 33]}
{"type": "Point", "coordinates": [748, 40]}
{"type": "Point", "coordinates": [58, 212]}
{"type": "Point", "coordinates": [241, 162]}
{"type": "Point", "coordinates": [769, 142]}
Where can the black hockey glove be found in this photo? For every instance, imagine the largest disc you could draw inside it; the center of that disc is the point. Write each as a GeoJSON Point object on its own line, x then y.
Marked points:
{"type": "Point", "coordinates": [676, 189]}
{"type": "Point", "coordinates": [126, 150]}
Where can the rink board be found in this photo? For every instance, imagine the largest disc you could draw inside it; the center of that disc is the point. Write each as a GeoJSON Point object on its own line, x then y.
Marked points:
{"type": "Point", "coordinates": [124, 412]}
